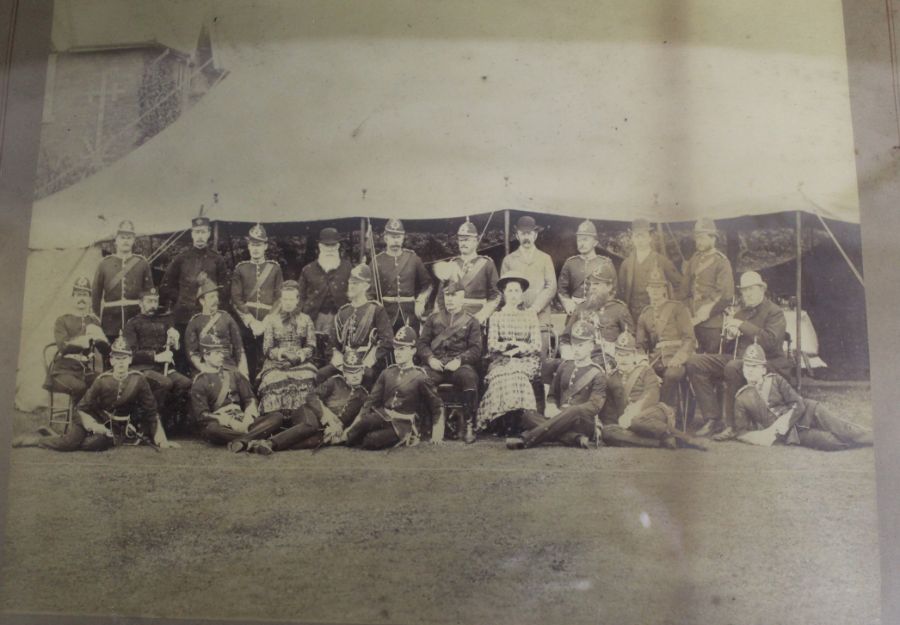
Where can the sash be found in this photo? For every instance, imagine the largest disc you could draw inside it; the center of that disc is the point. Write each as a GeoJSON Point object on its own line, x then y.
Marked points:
{"type": "Point", "coordinates": [460, 322]}
{"type": "Point", "coordinates": [361, 334]}
{"type": "Point", "coordinates": [267, 270]}
{"type": "Point", "coordinates": [223, 391]}
{"type": "Point", "coordinates": [704, 263]}
{"type": "Point", "coordinates": [207, 329]}
{"type": "Point", "coordinates": [766, 390]}
{"type": "Point", "coordinates": [581, 382]}
{"type": "Point", "coordinates": [126, 267]}
{"type": "Point", "coordinates": [632, 378]}
{"type": "Point", "coordinates": [472, 271]}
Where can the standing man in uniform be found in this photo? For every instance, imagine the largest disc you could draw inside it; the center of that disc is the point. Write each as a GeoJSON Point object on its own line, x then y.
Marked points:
{"type": "Point", "coordinates": [360, 325]}
{"type": "Point", "coordinates": [154, 341]}
{"type": "Point", "coordinates": [537, 267]}
{"type": "Point", "coordinates": [475, 273]}
{"type": "Point", "coordinates": [403, 281]}
{"type": "Point", "coordinates": [573, 285]}
{"type": "Point", "coordinates": [118, 408]}
{"type": "Point", "coordinates": [707, 287]}
{"type": "Point", "coordinates": [451, 347]}
{"type": "Point", "coordinates": [118, 283]}
{"type": "Point", "coordinates": [80, 343]}
{"type": "Point", "coordinates": [212, 321]}
{"type": "Point", "coordinates": [178, 291]}
{"type": "Point", "coordinates": [635, 270]}
{"type": "Point", "coordinates": [402, 398]}
{"type": "Point", "coordinates": [255, 288]}
{"type": "Point", "coordinates": [758, 320]}
{"type": "Point", "coordinates": [323, 284]}
{"type": "Point", "coordinates": [665, 332]}
{"type": "Point", "coordinates": [577, 394]}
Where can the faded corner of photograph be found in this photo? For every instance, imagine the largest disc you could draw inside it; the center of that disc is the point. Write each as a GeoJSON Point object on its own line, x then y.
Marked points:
{"type": "Point", "coordinates": [413, 312]}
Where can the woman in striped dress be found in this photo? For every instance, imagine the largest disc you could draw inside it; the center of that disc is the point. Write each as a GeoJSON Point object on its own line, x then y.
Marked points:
{"type": "Point", "coordinates": [514, 345]}
{"type": "Point", "coordinates": [289, 341]}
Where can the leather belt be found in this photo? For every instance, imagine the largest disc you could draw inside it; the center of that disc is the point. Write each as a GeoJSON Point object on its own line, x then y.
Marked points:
{"type": "Point", "coordinates": [399, 299]}
{"type": "Point", "coordinates": [474, 300]}
{"type": "Point", "coordinates": [259, 305]}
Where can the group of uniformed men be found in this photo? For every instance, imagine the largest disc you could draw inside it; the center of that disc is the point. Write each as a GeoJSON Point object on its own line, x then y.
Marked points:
{"type": "Point", "coordinates": [176, 358]}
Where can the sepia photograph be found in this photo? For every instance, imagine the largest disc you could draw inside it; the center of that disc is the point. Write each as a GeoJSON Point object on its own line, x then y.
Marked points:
{"type": "Point", "coordinates": [417, 312]}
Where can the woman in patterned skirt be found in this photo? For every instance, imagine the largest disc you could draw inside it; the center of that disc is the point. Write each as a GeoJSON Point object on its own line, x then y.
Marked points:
{"type": "Point", "coordinates": [289, 341]}
{"type": "Point", "coordinates": [514, 345]}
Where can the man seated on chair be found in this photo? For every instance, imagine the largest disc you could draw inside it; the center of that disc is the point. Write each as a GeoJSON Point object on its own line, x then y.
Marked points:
{"type": "Point", "coordinates": [609, 318]}
{"type": "Point", "coordinates": [577, 394]}
{"type": "Point", "coordinates": [756, 320]}
{"type": "Point", "coordinates": [79, 342]}
{"type": "Point", "coordinates": [665, 332]}
{"type": "Point", "coordinates": [450, 348]}
{"type": "Point", "coordinates": [768, 410]}
{"type": "Point", "coordinates": [155, 340]}
{"type": "Point", "coordinates": [212, 321]}
{"type": "Point", "coordinates": [118, 408]}
{"type": "Point", "coordinates": [361, 325]}
{"type": "Point", "coordinates": [403, 396]}
{"type": "Point", "coordinates": [223, 408]}
{"type": "Point", "coordinates": [327, 412]}
{"type": "Point", "coordinates": [646, 421]}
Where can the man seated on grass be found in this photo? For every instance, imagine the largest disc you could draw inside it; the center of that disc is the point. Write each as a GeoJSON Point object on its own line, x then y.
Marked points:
{"type": "Point", "coordinates": [223, 408]}
{"type": "Point", "coordinates": [646, 421]}
{"type": "Point", "coordinates": [327, 411]}
{"type": "Point", "coordinates": [577, 393]}
{"type": "Point", "coordinates": [768, 410]}
{"type": "Point", "coordinates": [118, 408]}
{"type": "Point", "coordinates": [403, 394]}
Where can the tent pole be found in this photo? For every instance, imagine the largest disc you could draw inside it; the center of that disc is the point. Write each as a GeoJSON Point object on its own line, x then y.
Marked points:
{"type": "Point", "coordinates": [506, 232]}
{"type": "Point", "coordinates": [798, 353]}
{"type": "Point", "coordinates": [216, 235]}
{"type": "Point", "coordinates": [362, 240]}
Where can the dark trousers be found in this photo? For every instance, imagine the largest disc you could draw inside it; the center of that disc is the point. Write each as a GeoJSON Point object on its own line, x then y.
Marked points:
{"type": "Point", "coordinates": [262, 427]}
{"type": "Point", "coordinates": [646, 430]}
{"type": "Point", "coordinates": [615, 391]}
{"type": "Point", "coordinates": [708, 339]}
{"type": "Point", "coordinates": [181, 358]}
{"type": "Point", "coordinates": [171, 393]}
{"type": "Point", "coordinates": [705, 372]}
{"type": "Point", "coordinates": [304, 431]}
{"type": "Point", "coordinates": [370, 431]}
{"type": "Point", "coordinates": [464, 379]}
{"type": "Point", "coordinates": [369, 375]}
{"type": "Point", "coordinates": [253, 350]}
{"type": "Point", "coordinates": [566, 427]}
{"type": "Point", "coordinates": [77, 438]}
{"type": "Point", "coordinates": [671, 377]}
{"type": "Point", "coordinates": [72, 383]}
{"type": "Point", "coordinates": [820, 428]}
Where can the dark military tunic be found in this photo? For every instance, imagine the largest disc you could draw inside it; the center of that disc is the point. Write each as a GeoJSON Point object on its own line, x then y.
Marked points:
{"type": "Point", "coordinates": [765, 323]}
{"type": "Point", "coordinates": [255, 287]}
{"type": "Point", "coordinates": [580, 393]}
{"type": "Point", "coordinates": [665, 331]}
{"type": "Point", "coordinates": [447, 337]}
{"type": "Point", "coordinates": [323, 291]}
{"type": "Point", "coordinates": [707, 278]}
{"type": "Point", "coordinates": [130, 396]}
{"type": "Point", "coordinates": [609, 321]}
{"type": "Point", "coordinates": [220, 324]}
{"type": "Point", "coordinates": [207, 395]}
{"type": "Point", "coordinates": [146, 334]}
{"type": "Point", "coordinates": [343, 400]}
{"type": "Point", "coordinates": [402, 279]}
{"type": "Point", "coordinates": [180, 283]}
{"type": "Point", "coordinates": [71, 358]}
{"type": "Point", "coordinates": [573, 275]}
{"type": "Point", "coordinates": [634, 275]}
{"type": "Point", "coordinates": [353, 327]}
{"type": "Point", "coordinates": [395, 410]}
{"type": "Point", "coordinates": [478, 277]}
{"type": "Point", "coordinates": [117, 287]}
{"type": "Point", "coordinates": [760, 406]}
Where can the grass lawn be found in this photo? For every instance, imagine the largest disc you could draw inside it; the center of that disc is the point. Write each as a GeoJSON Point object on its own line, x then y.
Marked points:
{"type": "Point", "coordinates": [456, 534]}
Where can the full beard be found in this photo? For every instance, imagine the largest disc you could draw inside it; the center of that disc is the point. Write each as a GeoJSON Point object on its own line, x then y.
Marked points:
{"type": "Point", "coordinates": [329, 263]}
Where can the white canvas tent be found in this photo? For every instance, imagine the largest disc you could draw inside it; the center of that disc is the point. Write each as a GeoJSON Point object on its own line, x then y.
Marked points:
{"type": "Point", "coordinates": [406, 108]}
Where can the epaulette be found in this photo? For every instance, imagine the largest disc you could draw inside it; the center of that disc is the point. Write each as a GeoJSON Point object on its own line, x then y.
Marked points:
{"type": "Point", "coordinates": [105, 374]}
{"type": "Point", "coordinates": [194, 316]}
{"type": "Point", "coordinates": [420, 369]}
{"type": "Point", "coordinates": [619, 302]}
{"type": "Point", "coordinates": [141, 256]}
{"type": "Point", "coordinates": [403, 249]}
{"type": "Point", "coordinates": [645, 309]}
{"type": "Point", "coordinates": [718, 253]}
{"type": "Point", "coordinates": [243, 262]}
{"type": "Point", "coordinates": [132, 371]}
{"type": "Point", "coordinates": [571, 257]}
{"type": "Point", "coordinates": [344, 306]}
